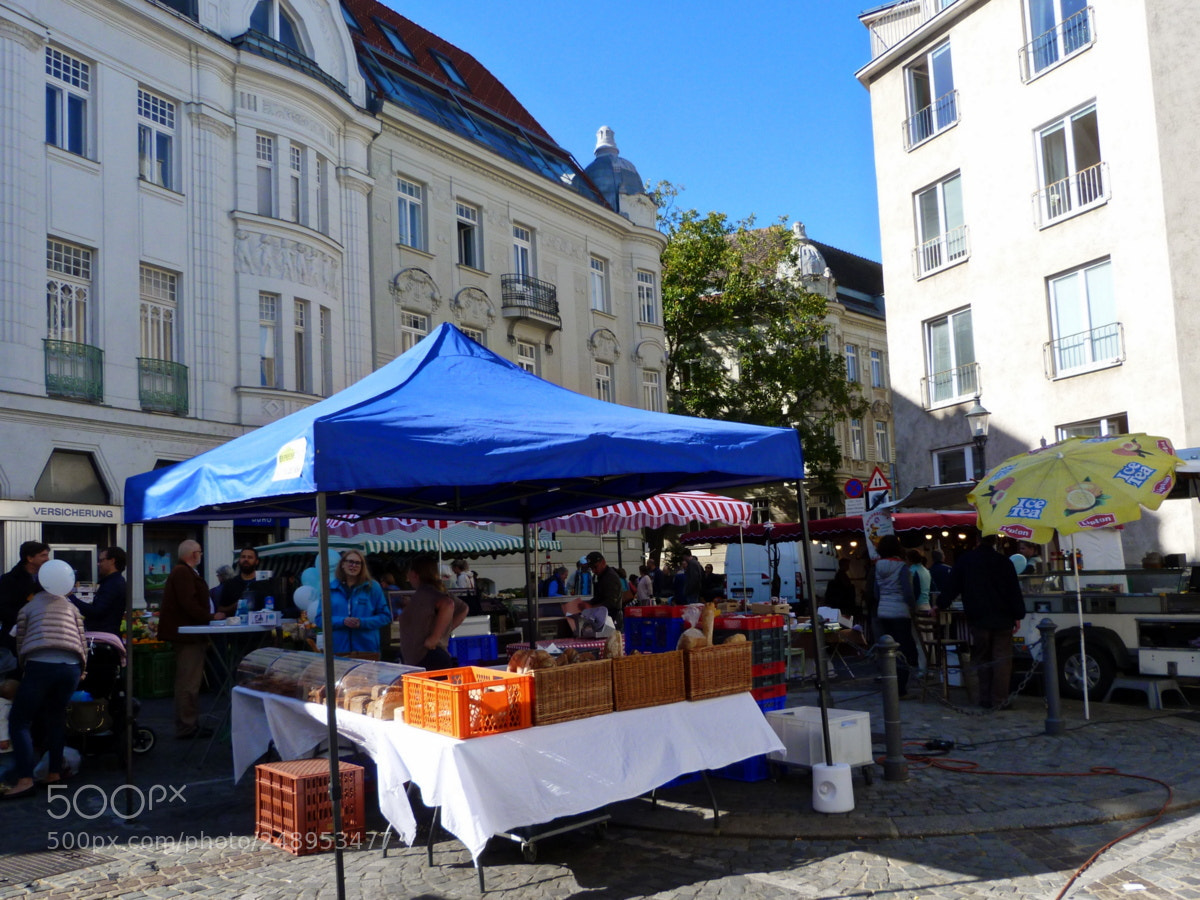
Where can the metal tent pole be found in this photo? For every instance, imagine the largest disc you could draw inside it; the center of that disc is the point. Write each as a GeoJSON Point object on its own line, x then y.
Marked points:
{"type": "Point", "coordinates": [335, 775]}
{"type": "Point", "coordinates": [818, 625]}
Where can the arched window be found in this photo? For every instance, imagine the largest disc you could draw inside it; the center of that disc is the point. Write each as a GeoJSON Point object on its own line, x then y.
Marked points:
{"type": "Point", "coordinates": [71, 477]}
{"type": "Point", "coordinates": [271, 18]}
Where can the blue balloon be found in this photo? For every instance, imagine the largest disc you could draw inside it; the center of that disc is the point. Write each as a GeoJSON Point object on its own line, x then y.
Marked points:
{"type": "Point", "coordinates": [335, 557]}
{"type": "Point", "coordinates": [311, 577]}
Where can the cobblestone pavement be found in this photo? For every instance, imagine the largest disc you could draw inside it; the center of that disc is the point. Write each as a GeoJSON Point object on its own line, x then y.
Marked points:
{"type": "Point", "coordinates": [941, 834]}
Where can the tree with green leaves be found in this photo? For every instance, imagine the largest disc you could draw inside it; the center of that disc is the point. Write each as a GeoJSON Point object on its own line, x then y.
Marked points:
{"type": "Point", "coordinates": [745, 341]}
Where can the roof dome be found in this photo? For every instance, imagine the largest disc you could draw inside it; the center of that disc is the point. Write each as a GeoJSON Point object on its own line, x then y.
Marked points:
{"type": "Point", "coordinates": [612, 174]}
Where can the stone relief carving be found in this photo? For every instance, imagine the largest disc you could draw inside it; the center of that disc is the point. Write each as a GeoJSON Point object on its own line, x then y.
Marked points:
{"type": "Point", "coordinates": [416, 290]}
{"type": "Point", "coordinates": [299, 119]}
{"type": "Point", "coordinates": [472, 306]}
{"type": "Point", "coordinates": [881, 409]}
{"type": "Point", "coordinates": [604, 345]}
{"type": "Point", "coordinates": [275, 257]}
{"type": "Point", "coordinates": [650, 353]}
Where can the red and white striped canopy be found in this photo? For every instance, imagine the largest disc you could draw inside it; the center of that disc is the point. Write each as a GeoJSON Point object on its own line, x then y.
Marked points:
{"type": "Point", "coordinates": [662, 509]}
{"type": "Point", "coordinates": [681, 508]}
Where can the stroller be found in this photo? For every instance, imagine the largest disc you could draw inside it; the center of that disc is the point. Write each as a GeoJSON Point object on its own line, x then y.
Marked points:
{"type": "Point", "coordinates": [98, 725]}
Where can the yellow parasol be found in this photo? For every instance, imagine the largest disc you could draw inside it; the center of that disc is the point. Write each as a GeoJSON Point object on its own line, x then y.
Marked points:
{"type": "Point", "coordinates": [1072, 486]}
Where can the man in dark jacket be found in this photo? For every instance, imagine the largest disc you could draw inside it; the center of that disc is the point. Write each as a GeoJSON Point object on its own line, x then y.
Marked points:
{"type": "Point", "coordinates": [994, 607]}
{"type": "Point", "coordinates": [107, 608]}
{"type": "Point", "coordinates": [16, 587]}
{"type": "Point", "coordinates": [245, 583]}
{"type": "Point", "coordinates": [608, 589]}
{"type": "Point", "coordinates": [185, 602]}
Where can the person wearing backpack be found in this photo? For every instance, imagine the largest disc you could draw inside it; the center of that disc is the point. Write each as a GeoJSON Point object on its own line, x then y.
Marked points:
{"type": "Point", "coordinates": [896, 602]}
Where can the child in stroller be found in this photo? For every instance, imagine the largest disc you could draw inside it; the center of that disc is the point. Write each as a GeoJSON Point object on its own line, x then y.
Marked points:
{"type": "Point", "coordinates": [96, 713]}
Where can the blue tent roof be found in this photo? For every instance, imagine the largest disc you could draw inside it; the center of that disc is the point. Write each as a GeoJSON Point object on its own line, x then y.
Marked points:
{"type": "Point", "coordinates": [451, 430]}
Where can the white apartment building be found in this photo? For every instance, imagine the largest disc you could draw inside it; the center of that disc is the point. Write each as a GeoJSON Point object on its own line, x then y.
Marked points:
{"type": "Point", "coordinates": [200, 235]}
{"type": "Point", "coordinates": [1035, 196]}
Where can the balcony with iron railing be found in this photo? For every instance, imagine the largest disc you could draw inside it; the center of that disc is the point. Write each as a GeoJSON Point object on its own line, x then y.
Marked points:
{"type": "Point", "coordinates": [1086, 351]}
{"type": "Point", "coordinates": [525, 297]}
{"type": "Point", "coordinates": [73, 370]}
{"type": "Point", "coordinates": [1060, 43]}
{"type": "Point", "coordinates": [162, 386]}
{"type": "Point", "coordinates": [941, 252]}
{"type": "Point", "coordinates": [931, 121]}
{"type": "Point", "coordinates": [892, 25]}
{"type": "Point", "coordinates": [1074, 194]}
{"type": "Point", "coordinates": [950, 386]}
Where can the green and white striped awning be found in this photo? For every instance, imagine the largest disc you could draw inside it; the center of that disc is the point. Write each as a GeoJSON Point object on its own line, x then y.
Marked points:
{"type": "Point", "coordinates": [457, 540]}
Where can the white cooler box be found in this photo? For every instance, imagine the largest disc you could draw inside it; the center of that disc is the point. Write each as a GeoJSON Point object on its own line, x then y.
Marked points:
{"type": "Point", "coordinates": [800, 730]}
{"type": "Point", "coordinates": [473, 625]}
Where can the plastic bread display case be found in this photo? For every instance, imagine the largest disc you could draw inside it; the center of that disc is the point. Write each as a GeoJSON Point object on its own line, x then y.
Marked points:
{"type": "Point", "coordinates": [362, 686]}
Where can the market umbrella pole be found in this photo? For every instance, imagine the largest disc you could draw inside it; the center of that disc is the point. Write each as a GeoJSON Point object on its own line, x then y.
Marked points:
{"type": "Point", "coordinates": [335, 775]}
{"type": "Point", "coordinates": [531, 597]}
{"type": "Point", "coordinates": [1087, 713]}
{"type": "Point", "coordinates": [742, 548]}
{"type": "Point", "coordinates": [129, 669]}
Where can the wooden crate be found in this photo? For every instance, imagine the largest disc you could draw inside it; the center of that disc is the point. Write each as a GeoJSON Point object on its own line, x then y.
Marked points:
{"type": "Point", "coordinates": [649, 679]}
{"type": "Point", "coordinates": [469, 701]}
{"type": "Point", "coordinates": [573, 691]}
{"type": "Point", "coordinates": [293, 809]}
{"type": "Point", "coordinates": [717, 671]}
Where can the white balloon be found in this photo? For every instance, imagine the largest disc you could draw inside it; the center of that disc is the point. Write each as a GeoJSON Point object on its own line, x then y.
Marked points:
{"type": "Point", "coordinates": [56, 577]}
{"type": "Point", "coordinates": [307, 598]}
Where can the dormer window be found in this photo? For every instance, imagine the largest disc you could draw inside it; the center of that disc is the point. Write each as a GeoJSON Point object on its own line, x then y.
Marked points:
{"type": "Point", "coordinates": [272, 19]}
{"type": "Point", "coordinates": [448, 68]}
{"type": "Point", "coordinates": [395, 40]}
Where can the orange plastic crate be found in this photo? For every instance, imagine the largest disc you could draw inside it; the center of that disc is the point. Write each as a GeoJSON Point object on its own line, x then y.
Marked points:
{"type": "Point", "coordinates": [468, 702]}
{"type": "Point", "coordinates": [293, 806]}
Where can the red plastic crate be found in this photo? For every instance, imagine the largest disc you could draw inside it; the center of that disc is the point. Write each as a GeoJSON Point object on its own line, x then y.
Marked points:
{"type": "Point", "coordinates": [654, 612]}
{"type": "Point", "coordinates": [770, 668]}
{"type": "Point", "coordinates": [748, 623]}
{"type": "Point", "coordinates": [293, 809]}
{"type": "Point", "coordinates": [769, 693]}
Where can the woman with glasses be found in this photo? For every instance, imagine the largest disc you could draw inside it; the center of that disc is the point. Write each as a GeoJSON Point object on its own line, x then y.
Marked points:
{"type": "Point", "coordinates": [358, 608]}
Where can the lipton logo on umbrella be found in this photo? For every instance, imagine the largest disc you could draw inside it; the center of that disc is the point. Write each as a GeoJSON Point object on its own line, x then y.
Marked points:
{"type": "Point", "coordinates": [1017, 531]}
{"type": "Point", "coordinates": [1163, 485]}
{"type": "Point", "coordinates": [1027, 508]}
{"type": "Point", "coordinates": [1165, 446]}
{"type": "Point", "coordinates": [1099, 520]}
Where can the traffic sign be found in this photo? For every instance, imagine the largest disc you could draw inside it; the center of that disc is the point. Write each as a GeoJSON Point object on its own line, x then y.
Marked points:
{"type": "Point", "coordinates": [878, 481]}
{"type": "Point", "coordinates": [855, 506]}
{"type": "Point", "coordinates": [854, 488]}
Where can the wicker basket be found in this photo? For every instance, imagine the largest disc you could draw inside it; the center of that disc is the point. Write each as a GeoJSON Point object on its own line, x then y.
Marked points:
{"type": "Point", "coordinates": [650, 679]}
{"type": "Point", "coordinates": [573, 691]}
{"type": "Point", "coordinates": [717, 671]}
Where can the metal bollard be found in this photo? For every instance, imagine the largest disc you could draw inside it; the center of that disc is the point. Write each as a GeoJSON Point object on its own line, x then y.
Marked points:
{"type": "Point", "coordinates": [1054, 722]}
{"type": "Point", "coordinates": [895, 766]}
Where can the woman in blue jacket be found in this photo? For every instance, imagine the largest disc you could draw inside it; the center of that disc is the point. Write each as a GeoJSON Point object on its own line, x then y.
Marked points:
{"type": "Point", "coordinates": [358, 607]}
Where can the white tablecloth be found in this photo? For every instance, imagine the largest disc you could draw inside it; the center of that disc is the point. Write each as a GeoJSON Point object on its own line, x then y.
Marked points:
{"type": "Point", "coordinates": [489, 785]}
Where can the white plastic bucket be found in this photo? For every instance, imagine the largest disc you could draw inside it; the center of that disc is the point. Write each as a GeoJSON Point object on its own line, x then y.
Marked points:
{"type": "Point", "coordinates": [833, 792]}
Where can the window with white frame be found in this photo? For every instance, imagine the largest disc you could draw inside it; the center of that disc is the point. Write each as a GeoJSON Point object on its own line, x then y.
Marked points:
{"type": "Point", "coordinates": [268, 340]}
{"type": "Point", "coordinates": [157, 289]}
{"type": "Point", "coordinates": [522, 250]}
{"type": "Point", "coordinates": [527, 357]}
{"type": "Point", "coordinates": [950, 364]}
{"type": "Point", "coordinates": [941, 230]}
{"type": "Point", "coordinates": [857, 446]}
{"type": "Point", "coordinates": [299, 184]}
{"type": "Point", "coordinates": [326, 351]}
{"type": "Point", "coordinates": [272, 18]}
{"type": "Point", "coordinates": [883, 444]}
{"type": "Point", "coordinates": [852, 363]}
{"type": "Point", "coordinates": [68, 292]}
{"type": "Point", "coordinates": [647, 298]}
{"type": "Point", "coordinates": [413, 327]}
{"type": "Point", "coordinates": [411, 213]}
{"type": "Point", "coordinates": [1071, 169]}
{"type": "Point", "coordinates": [68, 96]}
{"type": "Point", "coordinates": [1115, 424]}
{"type": "Point", "coordinates": [954, 465]}
{"type": "Point", "coordinates": [322, 182]}
{"type": "Point", "coordinates": [932, 100]}
{"type": "Point", "coordinates": [598, 282]}
{"type": "Point", "coordinates": [1085, 331]}
{"type": "Point", "coordinates": [604, 387]}
{"type": "Point", "coordinates": [1058, 29]}
{"type": "Point", "coordinates": [156, 139]}
{"type": "Point", "coordinates": [468, 236]}
{"type": "Point", "coordinates": [652, 398]}
{"type": "Point", "coordinates": [476, 335]}
{"type": "Point", "coordinates": [877, 378]}
{"type": "Point", "coordinates": [264, 156]}
{"type": "Point", "coordinates": [302, 347]}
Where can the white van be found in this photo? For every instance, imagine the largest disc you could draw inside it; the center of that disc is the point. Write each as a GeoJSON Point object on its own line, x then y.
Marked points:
{"type": "Point", "coordinates": [754, 583]}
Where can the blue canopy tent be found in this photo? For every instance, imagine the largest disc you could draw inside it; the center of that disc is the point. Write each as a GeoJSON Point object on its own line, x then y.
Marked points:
{"type": "Point", "coordinates": [450, 430]}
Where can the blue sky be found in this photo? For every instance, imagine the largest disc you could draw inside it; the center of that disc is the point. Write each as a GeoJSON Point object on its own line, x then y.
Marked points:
{"type": "Point", "coordinates": [752, 107]}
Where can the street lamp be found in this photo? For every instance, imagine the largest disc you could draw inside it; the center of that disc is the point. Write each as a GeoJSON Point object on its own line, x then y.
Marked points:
{"type": "Point", "coordinates": [977, 421]}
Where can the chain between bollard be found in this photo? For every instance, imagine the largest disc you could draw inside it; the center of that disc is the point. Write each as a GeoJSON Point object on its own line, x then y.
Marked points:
{"type": "Point", "coordinates": [981, 712]}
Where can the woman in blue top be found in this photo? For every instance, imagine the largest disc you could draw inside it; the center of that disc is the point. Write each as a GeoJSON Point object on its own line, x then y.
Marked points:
{"type": "Point", "coordinates": [358, 606]}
